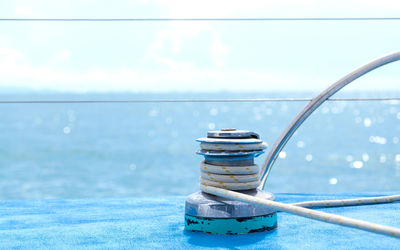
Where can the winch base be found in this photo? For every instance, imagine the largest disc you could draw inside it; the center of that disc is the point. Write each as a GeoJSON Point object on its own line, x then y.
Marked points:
{"type": "Point", "coordinates": [243, 225]}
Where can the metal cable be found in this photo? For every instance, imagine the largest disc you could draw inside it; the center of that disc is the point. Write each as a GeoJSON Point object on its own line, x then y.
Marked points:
{"type": "Point", "coordinates": [198, 19]}
{"type": "Point", "coordinates": [290, 99]}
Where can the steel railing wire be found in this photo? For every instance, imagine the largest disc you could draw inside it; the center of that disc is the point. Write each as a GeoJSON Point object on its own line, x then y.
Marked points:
{"type": "Point", "coordinates": [289, 99]}
{"type": "Point", "coordinates": [244, 19]}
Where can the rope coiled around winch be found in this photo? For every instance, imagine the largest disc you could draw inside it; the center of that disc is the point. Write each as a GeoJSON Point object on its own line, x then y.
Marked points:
{"type": "Point", "coordinates": [230, 177]}
{"type": "Point", "coordinates": [241, 177]}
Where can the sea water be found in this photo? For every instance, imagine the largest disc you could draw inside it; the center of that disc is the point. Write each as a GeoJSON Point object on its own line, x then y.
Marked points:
{"type": "Point", "coordinates": [83, 150]}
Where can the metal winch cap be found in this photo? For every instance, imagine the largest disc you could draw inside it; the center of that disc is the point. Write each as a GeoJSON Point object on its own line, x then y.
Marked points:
{"type": "Point", "coordinates": [231, 147]}
{"type": "Point", "coordinates": [232, 133]}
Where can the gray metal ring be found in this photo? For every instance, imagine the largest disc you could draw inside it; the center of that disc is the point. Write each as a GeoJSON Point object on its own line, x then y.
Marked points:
{"type": "Point", "coordinates": [314, 104]}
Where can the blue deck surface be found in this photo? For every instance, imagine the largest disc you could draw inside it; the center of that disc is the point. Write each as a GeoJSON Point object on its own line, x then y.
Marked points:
{"type": "Point", "coordinates": [144, 223]}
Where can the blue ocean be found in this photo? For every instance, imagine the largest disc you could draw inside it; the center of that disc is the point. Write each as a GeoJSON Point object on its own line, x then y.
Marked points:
{"type": "Point", "coordinates": [80, 150]}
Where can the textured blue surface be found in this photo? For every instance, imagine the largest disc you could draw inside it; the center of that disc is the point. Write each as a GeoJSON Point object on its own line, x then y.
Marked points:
{"type": "Point", "coordinates": [158, 223]}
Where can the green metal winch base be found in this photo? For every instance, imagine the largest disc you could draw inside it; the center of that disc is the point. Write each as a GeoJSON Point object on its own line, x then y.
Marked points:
{"type": "Point", "coordinates": [231, 225]}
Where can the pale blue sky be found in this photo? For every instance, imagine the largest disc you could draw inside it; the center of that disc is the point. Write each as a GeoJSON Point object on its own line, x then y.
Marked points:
{"type": "Point", "coordinates": [194, 56]}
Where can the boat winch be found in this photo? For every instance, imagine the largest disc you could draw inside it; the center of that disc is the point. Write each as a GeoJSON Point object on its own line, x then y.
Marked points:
{"type": "Point", "coordinates": [229, 164]}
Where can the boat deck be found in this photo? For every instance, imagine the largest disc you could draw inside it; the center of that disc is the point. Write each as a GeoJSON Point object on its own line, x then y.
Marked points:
{"type": "Point", "coordinates": [144, 223]}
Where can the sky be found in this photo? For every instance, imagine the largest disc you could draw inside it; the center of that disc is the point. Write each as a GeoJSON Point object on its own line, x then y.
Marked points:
{"type": "Point", "coordinates": [195, 56]}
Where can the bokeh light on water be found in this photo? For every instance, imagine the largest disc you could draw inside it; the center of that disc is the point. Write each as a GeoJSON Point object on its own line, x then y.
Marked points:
{"type": "Point", "coordinates": [119, 150]}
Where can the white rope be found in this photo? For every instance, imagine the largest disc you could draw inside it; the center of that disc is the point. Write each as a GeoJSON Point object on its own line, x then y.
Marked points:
{"type": "Point", "coordinates": [304, 212]}
{"type": "Point", "coordinates": [231, 185]}
{"type": "Point", "coordinates": [230, 177]}
{"type": "Point", "coordinates": [253, 169]}
{"type": "Point", "coordinates": [349, 202]}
